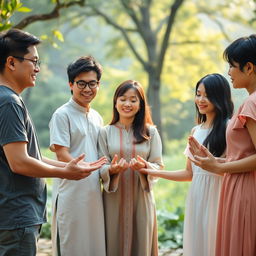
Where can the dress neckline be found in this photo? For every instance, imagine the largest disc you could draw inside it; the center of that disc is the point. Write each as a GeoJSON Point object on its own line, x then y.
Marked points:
{"type": "Point", "coordinates": [202, 128]}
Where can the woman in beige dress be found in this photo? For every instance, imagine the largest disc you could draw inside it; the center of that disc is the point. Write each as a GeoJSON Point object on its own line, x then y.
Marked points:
{"type": "Point", "coordinates": [130, 142]}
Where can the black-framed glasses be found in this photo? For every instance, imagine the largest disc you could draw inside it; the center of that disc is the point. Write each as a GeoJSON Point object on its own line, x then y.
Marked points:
{"type": "Point", "coordinates": [81, 84]}
{"type": "Point", "coordinates": [35, 62]}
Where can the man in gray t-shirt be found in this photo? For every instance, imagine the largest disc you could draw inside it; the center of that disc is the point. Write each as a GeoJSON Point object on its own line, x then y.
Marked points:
{"type": "Point", "coordinates": [22, 198]}
{"type": "Point", "coordinates": [22, 189]}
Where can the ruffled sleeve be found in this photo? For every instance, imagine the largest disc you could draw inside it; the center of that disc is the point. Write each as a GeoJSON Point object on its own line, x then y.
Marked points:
{"type": "Point", "coordinates": [110, 183]}
{"type": "Point", "coordinates": [248, 109]}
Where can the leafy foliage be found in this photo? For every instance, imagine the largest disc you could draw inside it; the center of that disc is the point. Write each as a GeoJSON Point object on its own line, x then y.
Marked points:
{"type": "Point", "coordinates": [170, 228]}
{"type": "Point", "coordinates": [46, 231]}
{"type": "Point", "coordinates": [8, 8]}
{"type": "Point", "coordinates": [195, 49]}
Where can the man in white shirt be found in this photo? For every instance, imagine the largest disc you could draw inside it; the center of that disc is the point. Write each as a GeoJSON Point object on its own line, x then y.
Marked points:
{"type": "Point", "coordinates": [78, 219]}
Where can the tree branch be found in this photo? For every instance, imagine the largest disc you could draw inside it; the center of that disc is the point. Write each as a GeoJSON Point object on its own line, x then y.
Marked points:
{"type": "Point", "coordinates": [189, 42]}
{"type": "Point", "coordinates": [173, 11]}
{"type": "Point", "coordinates": [149, 37]}
{"type": "Point", "coordinates": [221, 27]}
{"type": "Point", "coordinates": [123, 31]}
{"type": "Point", "coordinates": [161, 24]}
{"type": "Point", "coordinates": [131, 13]}
{"type": "Point", "coordinates": [48, 16]}
{"type": "Point", "coordinates": [212, 15]}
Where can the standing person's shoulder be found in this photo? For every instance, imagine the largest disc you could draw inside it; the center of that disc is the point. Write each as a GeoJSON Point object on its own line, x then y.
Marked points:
{"type": "Point", "coordinates": [195, 128]}
{"type": "Point", "coordinates": [248, 105]}
{"type": "Point", "coordinates": [104, 132]}
{"type": "Point", "coordinates": [105, 129]}
{"type": "Point", "coordinates": [251, 99]}
{"type": "Point", "coordinates": [62, 109]}
{"type": "Point", "coordinates": [7, 95]}
{"type": "Point", "coordinates": [152, 130]}
{"type": "Point", "coordinates": [95, 113]}
{"type": "Point", "coordinates": [96, 118]}
{"type": "Point", "coordinates": [59, 116]}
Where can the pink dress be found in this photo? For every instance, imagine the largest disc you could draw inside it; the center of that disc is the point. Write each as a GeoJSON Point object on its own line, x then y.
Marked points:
{"type": "Point", "coordinates": [236, 230]}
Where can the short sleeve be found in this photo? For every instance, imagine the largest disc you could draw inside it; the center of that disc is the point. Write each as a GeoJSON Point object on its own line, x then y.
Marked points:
{"type": "Point", "coordinates": [12, 123]}
{"type": "Point", "coordinates": [248, 109]}
{"type": "Point", "coordinates": [59, 130]}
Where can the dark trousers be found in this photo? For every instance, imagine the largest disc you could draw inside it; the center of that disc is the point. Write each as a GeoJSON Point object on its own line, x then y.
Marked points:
{"type": "Point", "coordinates": [19, 242]}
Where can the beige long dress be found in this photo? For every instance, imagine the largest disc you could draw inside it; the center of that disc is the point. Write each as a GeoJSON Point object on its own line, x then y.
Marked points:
{"type": "Point", "coordinates": [129, 206]}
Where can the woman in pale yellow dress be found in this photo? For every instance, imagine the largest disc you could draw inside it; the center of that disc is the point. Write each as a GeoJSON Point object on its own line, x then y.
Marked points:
{"type": "Point", "coordinates": [214, 108]}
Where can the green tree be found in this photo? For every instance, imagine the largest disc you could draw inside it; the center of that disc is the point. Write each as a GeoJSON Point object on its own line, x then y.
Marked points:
{"type": "Point", "coordinates": [154, 34]}
{"type": "Point", "coordinates": [9, 7]}
{"type": "Point", "coordinates": [154, 30]}
{"type": "Point", "coordinates": [195, 46]}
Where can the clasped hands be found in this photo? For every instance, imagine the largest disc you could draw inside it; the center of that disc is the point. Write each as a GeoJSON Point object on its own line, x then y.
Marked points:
{"type": "Point", "coordinates": [119, 166]}
{"type": "Point", "coordinates": [202, 157]}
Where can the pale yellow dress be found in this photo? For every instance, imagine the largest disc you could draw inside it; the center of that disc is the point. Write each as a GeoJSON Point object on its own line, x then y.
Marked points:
{"type": "Point", "coordinates": [129, 205]}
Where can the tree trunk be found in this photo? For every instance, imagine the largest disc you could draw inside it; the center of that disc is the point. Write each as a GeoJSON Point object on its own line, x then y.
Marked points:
{"type": "Point", "coordinates": [153, 95]}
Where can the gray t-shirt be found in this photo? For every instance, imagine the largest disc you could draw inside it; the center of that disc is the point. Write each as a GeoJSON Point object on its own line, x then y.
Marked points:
{"type": "Point", "coordinates": [22, 198]}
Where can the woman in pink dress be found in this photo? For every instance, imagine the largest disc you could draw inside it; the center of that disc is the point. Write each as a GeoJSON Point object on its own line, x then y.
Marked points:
{"type": "Point", "coordinates": [236, 231]}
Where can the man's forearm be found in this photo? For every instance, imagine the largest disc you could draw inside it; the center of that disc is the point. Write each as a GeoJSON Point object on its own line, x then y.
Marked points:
{"type": "Point", "coordinates": [53, 162]}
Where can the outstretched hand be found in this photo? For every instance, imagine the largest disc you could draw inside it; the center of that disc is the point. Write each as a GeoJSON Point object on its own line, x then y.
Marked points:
{"type": "Point", "coordinates": [145, 169]}
{"type": "Point", "coordinates": [117, 166]}
{"type": "Point", "coordinates": [73, 170]}
{"type": "Point", "coordinates": [196, 149]}
{"type": "Point", "coordinates": [202, 156]}
{"type": "Point", "coordinates": [137, 164]}
{"type": "Point", "coordinates": [92, 166]}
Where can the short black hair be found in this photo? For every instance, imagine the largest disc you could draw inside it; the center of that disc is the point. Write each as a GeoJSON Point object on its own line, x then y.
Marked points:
{"type": "Point", "coordinates": [241, 51]}
{"type": "Point", "coordinates": [83, 64]}
{"type": "Point", "coordinates": [15, 42]}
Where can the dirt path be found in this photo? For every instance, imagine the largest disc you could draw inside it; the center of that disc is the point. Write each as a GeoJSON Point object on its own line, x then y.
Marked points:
{"type": "Point", "coordinates": [45, 249]}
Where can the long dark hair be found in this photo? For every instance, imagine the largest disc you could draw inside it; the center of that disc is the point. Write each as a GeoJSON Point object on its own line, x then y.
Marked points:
{"type": "Point", "coordinates": [218, 92]}
{"type": "Point", "coordinates": [142, 118]}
